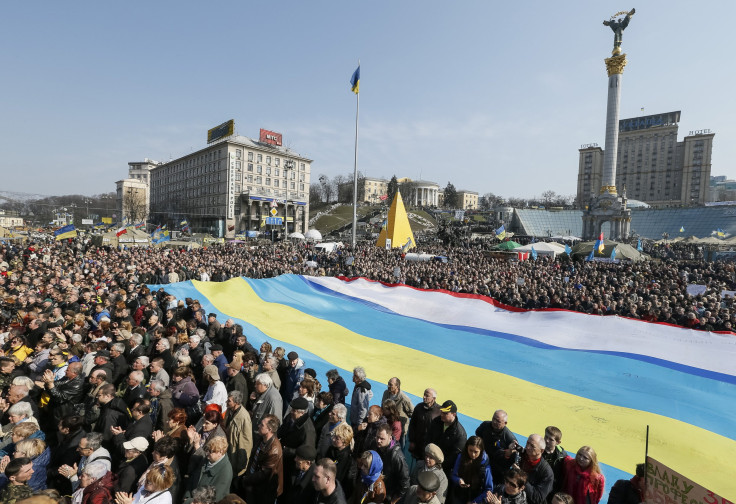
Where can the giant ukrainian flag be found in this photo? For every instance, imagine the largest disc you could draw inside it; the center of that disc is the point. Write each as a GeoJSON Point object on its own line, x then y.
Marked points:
{"type": "Point", "coordinates": [601, 380]}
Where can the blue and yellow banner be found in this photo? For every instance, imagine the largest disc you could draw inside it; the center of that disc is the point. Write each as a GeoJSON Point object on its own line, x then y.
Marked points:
{"type": "Point", "coordinates": [65, 232]}
{"type": "Point", "coordinates": [601, 387]}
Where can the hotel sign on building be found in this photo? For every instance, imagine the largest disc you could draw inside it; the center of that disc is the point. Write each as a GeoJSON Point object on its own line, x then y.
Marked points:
{"type": "Point", "coordinates": [231, 188]}
{"type": "Point", "coordinates": [646, 122]}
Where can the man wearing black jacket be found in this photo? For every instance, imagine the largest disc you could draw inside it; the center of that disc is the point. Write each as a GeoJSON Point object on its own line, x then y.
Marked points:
{"type": "Point", "coordinates": [113, 413]}
{"type": "Point", "coordinates": [447, 433]}
{"type": "Point", "coordinates": [298, 488]}
{"type": "Point", "coordinates": [421, 421]}
{"type": "Point", "coordinates": [540, 476]}
{"type": "Point", "coordinates": [297, 430]}
{"type": "Point", "coordinates": [142, 426]}
{"type": "Point", "coordinates": [496, 436]}
{"type": "Point", "coordinates": [395, 470]}
{"type": "Point", "coordinates": [64, 394]}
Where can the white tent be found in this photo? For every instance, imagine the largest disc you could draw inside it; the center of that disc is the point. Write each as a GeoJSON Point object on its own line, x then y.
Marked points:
{"type": "Point", "coordinates": [543, 249]}
{"type": "Point", "coordinates": [296, 235]}
{"type": "Point", "coordinates": [313, 235]}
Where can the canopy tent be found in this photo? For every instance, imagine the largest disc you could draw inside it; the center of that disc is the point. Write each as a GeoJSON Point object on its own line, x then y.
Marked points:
{"type": "Point", "coordinates": [131, 238]}
{"type": "Point", "coordinates": [711, 240]}
{"type": "Point", "coordinates": [507, 245]}
{"type": "Point", "coordinates": [543, 249]}
{"type": "Point", "coordinates": [296, 235]}
{"type": "Point", "coordinates": [623, 251]}
{"type": "Point", "coordinates": [6, 235]}
{"type": "Point", "coordinates": [665, 241]}
{"type": "Point", "coordinates": [313, 235]}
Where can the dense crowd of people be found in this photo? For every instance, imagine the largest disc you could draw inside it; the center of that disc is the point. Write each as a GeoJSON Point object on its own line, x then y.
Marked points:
{"type": "Point", "coordinates": [112, 392]}
{"type": "Point", "coordinates": [655, 291]}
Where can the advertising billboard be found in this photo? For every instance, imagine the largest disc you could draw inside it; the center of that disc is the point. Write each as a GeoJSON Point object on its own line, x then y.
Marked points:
{"type": "Point", "coordinates": [270, 137]}
{"type": "Point", "coordinates": [223, 130]}
{"type": "Point", "coordinates": [646, 122]}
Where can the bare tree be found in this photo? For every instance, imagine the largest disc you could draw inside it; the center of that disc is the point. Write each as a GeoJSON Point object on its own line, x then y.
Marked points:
{"type": "Point", "coordinates": [339, 188]}
{"type": "Point", "coordinates": [345, 189]}
{"type": "Point", "coordinates": [134, 205]}
{"type": "Point", "coordinates": [489, 201]}
{"type": "Point", "coordinates": [315, 193]}
{"type": "Point", "coordinates": [549, 197]}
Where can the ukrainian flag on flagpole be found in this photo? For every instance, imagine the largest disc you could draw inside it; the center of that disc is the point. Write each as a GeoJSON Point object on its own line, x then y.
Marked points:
{"type": "Point", "coordinates": [355, 81]}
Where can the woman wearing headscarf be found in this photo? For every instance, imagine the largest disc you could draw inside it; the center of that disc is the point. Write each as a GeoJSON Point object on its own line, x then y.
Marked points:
{"type": "Point", "coordinates": [371, 487]}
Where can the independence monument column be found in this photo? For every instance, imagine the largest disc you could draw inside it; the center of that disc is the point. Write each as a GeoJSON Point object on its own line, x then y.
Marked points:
{"type": "Point", "coordinates": [608, 206]}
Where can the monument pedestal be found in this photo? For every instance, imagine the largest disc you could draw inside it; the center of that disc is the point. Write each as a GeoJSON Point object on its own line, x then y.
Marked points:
{"type": "Point", "coordinates": [607, 207]}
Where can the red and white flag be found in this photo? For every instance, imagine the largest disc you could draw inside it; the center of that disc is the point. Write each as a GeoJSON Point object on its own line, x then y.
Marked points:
{"type": "Point", "coordinates": [523, 256]}
{"type": "Point", "coordinates": [121, 231]}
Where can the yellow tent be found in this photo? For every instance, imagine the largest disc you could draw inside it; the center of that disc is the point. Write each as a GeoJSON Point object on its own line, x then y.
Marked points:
{"type": "Point", "coordinates": [397, 228]}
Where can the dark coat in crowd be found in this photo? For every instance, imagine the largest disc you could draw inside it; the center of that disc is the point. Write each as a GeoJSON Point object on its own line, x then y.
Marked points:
{"type": "Point", "coordinates": [451, 441]}
{"type": "Point", "coordinates": [65, 397]}
{"type": "Point", "coordinates": [420, 426]}
{"type": "Point", "coordinates": [129, 471]}
{"type": "Point", "coordinates": [299, 488]}
{"type": "Point", "coordinates": [540, 476]}
{"type": "Point", "coordinates": [263, 480]}
{"type": "Point", "coordinates": [339, 390]}
{"type": "Point", "coordinates": [112, 414]}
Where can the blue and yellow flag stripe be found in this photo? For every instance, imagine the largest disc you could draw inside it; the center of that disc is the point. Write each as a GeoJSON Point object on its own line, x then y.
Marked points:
{"type": "Point", "coordinates": [604, 399]}
{"type": "Point", "coordinates": [355, 81]}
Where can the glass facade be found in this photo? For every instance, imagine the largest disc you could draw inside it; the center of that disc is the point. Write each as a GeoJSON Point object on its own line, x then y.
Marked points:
{"type": "Point", "coordinates": [646, 222]}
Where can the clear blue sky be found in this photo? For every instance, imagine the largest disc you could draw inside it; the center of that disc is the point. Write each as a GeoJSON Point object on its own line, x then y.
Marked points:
{"type": "Point", "coordinates": [492, 96]}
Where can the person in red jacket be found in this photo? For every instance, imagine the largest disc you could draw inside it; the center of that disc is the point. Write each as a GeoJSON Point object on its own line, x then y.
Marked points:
{"type": "Point", "coordinates": [582, 477]}
{"type": "Point", "coordinates": [97, 484]}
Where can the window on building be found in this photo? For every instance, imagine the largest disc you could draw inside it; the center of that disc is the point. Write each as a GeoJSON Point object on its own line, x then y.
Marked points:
{"type": "Point", "coordinates": [238, 154]}
{"type": "Point", "coordinates": [302, 166]}
{"type": "Point", "coordinates": [250, 156]}
{"type": "Point", "coordinates": [268, 160]}
{"type": "Point", "coordinates": [259, 180]}
{"type": "Point", "coordinates": [268, 181]}
{"type": "Point", "coordinates": [259, 169]}
{"type": "Point", "coordinates": [260, 157]}
{"type": "Point", "coordinates": [275, 182]}
{"type": "Point", "coordinates": [268, 170]}
{"type": "Point", "coordinates": [250, 167]}
{"type": "Point", "coordinates": [276, 172]}
{"type": "Point", "coordinates": [277, 161]}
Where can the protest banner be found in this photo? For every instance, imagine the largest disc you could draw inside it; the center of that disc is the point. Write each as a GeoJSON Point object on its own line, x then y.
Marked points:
{"type": "Point", "coordinates": [665, 486]}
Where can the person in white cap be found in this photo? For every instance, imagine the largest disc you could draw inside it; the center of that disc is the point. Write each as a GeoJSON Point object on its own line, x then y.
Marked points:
{"type": "Point", "coordinates": [134, 465]}
{"type": "Point", "coordinates": [216, 392]}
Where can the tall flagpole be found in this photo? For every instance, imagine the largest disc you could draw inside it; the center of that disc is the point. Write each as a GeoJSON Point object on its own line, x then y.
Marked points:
{"type": "Point", "coordinates": [355, 168]}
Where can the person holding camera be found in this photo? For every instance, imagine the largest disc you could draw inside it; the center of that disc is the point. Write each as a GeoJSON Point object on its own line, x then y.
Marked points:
{"type": "Point", "coordinates": [529, 459]}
